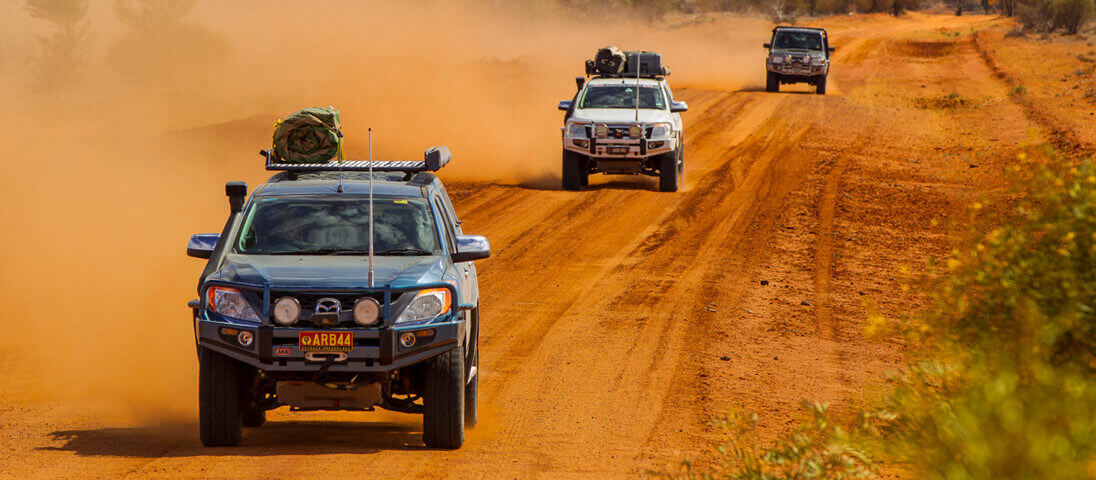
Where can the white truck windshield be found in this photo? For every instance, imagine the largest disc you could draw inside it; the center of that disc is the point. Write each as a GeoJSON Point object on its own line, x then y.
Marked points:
{"type": "Point", "coordinates": [313, 225]}
{"type": "Point", "coordinates": [622, 96]}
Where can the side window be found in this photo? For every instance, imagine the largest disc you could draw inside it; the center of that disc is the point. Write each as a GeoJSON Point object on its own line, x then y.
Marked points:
{"type": "Point", "coordinates": [669, 95]}
{"type": "Point", "coordinates": [447, 205]}
{"type": "Point", "coordinates": [447, 224]}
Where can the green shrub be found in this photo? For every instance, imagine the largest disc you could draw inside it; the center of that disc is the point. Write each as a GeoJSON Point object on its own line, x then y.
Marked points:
{"type": "Point", "coordinates": [1010, 390]}
{"type": "Point", "coordinates": [818, 449]}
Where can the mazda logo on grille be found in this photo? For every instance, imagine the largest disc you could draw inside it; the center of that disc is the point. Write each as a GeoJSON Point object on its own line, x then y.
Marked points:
{"type": "Point", "coordinates": [328, 305]}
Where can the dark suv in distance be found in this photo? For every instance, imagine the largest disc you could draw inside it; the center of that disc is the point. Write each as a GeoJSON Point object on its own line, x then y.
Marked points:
{"type": "Point", "coordinates": [798, 55]}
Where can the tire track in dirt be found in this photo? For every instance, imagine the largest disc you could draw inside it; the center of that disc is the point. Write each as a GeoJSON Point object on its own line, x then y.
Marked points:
{"type": "Point", "coordinates": [1062, 136]}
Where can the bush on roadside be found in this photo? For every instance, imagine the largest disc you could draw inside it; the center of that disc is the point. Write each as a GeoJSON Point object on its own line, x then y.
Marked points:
{"type": "Point", "coordinates": [1049, 15]}
{"type": "Point", "coordinates": [1011, 389]}
{"type": "Point", "coordinates": [818, 448]}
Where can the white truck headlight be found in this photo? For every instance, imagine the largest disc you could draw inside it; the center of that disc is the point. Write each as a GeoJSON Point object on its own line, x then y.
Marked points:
{"type": "Point", "coordinates": [576, 130]}
{"type": "Point", "coordinates": [818, 61]}
{"type": "Point", "coordinates": [287, 310]}
{"type": "Point", "coordinates": [661, 131]}
{"type": "Point", "coordinates": [427, 304]}
{"type": "Point", "coordinates": [776, 59]}
{"type": "Point", "coordinates": [230, 303]}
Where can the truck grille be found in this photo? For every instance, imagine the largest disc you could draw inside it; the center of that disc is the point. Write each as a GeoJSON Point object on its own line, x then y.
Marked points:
{"type": "Point", "coordinates": [308, 305]}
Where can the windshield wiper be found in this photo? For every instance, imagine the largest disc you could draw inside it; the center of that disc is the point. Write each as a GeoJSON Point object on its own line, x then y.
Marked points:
{"type": "Point", "coordinates": [405, 251]}
{"type": "Point", "coordinates": [324, 251]}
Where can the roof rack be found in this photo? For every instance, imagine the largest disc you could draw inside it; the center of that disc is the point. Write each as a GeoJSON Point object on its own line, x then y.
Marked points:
{"type": "Point", "coordinates": [433, 159]}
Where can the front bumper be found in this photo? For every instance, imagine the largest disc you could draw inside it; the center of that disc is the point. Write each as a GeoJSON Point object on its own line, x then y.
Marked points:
{"type": "Point", "coordinates": [792, 70]}
{"type": "Point", "coordinates": [275, 349]}
{"type": "Point", "coordinates": [619, 148]}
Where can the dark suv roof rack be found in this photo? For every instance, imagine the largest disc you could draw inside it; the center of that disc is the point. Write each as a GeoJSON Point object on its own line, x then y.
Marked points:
{"type": "Point", "coordinates": [433, 160]}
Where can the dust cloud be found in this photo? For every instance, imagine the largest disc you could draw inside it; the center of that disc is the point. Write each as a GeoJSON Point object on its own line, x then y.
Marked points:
{"type": "Point", "coordinates": [111, 161]}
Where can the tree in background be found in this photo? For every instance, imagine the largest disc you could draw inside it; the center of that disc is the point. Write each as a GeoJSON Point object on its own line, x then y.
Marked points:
{"type": "Point", "coordinates": [161, 44]}
{"type": "Point", "coordinates": [62, 52]}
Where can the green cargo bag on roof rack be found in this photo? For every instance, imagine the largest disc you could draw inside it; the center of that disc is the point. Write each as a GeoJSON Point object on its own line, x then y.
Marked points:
{"type": "Point", "coordinates": [311, 135]}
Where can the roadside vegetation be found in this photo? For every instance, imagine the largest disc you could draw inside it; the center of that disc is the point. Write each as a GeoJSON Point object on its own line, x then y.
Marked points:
{"type": "Point", "coordinates": [1004, 384]}
{"type": "Point", "coordinates": [1043, 15]}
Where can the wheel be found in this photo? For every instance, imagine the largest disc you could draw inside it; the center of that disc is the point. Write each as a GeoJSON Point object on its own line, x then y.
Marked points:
{"type": "Point", "coordinates": [254, 417]}
{"type": "Point", "coordinates": [471, 387]}
{"type": "Point", "coordinates": [220, 418]}
{"type": "Point", "coordinates": [574, 170]}
{"type": "Point", "coordinates": [443, 400]}
{"type": "Point", "coordinates": [668, 172]}
{"type": "Point", "coordinates": [681, 161]}
{"type": "Point", "coordinates": [820, 87]}
{"type": "Point", "coordinates": [772, 82]}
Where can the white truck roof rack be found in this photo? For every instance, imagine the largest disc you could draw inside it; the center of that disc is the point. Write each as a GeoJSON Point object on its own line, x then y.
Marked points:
{"type": "Point", "coordinates": [433, 159]}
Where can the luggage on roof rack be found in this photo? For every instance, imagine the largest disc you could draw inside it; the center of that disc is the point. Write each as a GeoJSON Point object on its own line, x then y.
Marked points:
{"type": "Point", "coordinates": [612, 62]}
{"type": "Point", "coordinates": [433, 159]}
{"type": "Point", "coordinates": [310, 135]}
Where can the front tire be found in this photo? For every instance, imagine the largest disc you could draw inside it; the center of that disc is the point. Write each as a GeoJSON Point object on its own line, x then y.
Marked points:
{"type": "Point", "coordinates": [574, 171]}
{"type": "Point", "coordinates": [443, 401]}
{"type": "Point", "coordinates": [668, 172]}
{"type": "Point", "coordinates": [820, 87]}
{"type": "Point", "coordinates": [220, 418]}
{"type": "Point", "coordinates": [471, 387]}
{"type": "Point", "coordinates": [772, 82]}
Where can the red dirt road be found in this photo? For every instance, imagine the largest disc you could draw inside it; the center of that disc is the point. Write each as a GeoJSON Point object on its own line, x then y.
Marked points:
{"type": "Point", "coordinates": [618, 319]}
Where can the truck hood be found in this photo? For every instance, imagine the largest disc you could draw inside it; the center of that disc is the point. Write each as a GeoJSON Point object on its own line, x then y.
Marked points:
{"type": "Point", "coordinates": [334, 271]}
{"type": "Point", "coordinates": [620, 115]}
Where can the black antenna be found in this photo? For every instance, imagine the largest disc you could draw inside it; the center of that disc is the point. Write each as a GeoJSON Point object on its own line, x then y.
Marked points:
{"type": "Point", "coordinates": [370, 207]}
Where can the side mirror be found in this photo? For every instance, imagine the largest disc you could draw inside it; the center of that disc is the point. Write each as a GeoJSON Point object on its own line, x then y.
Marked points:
{"type": "Point", "coordinates": [236, 192]}
{"type": "Point", "coordinates": [564, 105]}
{"type": "Point", "coordinates": [201, 245]}
{"type": "Point", "coordinates": [832, 49]}
{"type": "Point", "coordinates": [767, 45]}
{"type": "Point", "coordinates": [471, 247]}
{"type": "Point", "coordinates": [579, 82]}
{"type": "Point", "coordinates": [678, 107]}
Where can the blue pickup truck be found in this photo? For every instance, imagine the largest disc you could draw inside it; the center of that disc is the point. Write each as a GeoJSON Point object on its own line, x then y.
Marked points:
{"type": "Point", "coordinates": [339, 286]}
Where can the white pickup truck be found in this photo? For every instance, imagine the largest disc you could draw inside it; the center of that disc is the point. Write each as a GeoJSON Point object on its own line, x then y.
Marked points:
{"type": "Point", "coordinates": [605, 132]}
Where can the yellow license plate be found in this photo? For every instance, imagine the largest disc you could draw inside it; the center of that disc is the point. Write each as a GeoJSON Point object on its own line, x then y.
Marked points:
{"type": "Point", "coordinates": [325, 341]}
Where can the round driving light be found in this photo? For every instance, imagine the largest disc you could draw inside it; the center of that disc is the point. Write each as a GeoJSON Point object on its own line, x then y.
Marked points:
{"type": "Point", "coordinates": [407, 339]}
{"type": "Point", "coordinates": [287, 310]}
{"type": "Point", "coordinates": [601, 130]}
{"type": "Point", "coordinates": [366, 311]}
{"type": "Point", "coordinates": [635, 131]}
{"type": "Point", "coordinates": [245, 338]}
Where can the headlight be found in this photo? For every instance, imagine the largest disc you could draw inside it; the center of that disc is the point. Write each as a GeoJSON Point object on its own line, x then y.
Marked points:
{"type": "Point", "coordinates": [230, 303]}
{"type": "Point", "coordinates": [601, 130]}
{"type": "Point", "coordinates": [635, 131]}
{"type": "Point", "coordinates": [776, 59]}
{"type": "Point", "coordinates": [661, 130]}
{"type": "Point", "coordinates": [427, 304]}
{"type": "Point", "coordinates": [366, 311]}
{"type": "Point", "coordinates": [576, 130]}
{"type": "Point", "coordinates": [287, 310]}
{"type": "Point", "coordinates": [817, 61]}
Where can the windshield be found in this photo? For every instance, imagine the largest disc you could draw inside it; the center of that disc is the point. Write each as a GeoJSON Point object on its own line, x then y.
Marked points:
{"type": "Point", "coordinates": [310, 225]}
{"type": "Point", "coordinates": [798, 41]}
{"type": "Point", "coordinates": [622, 96]}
